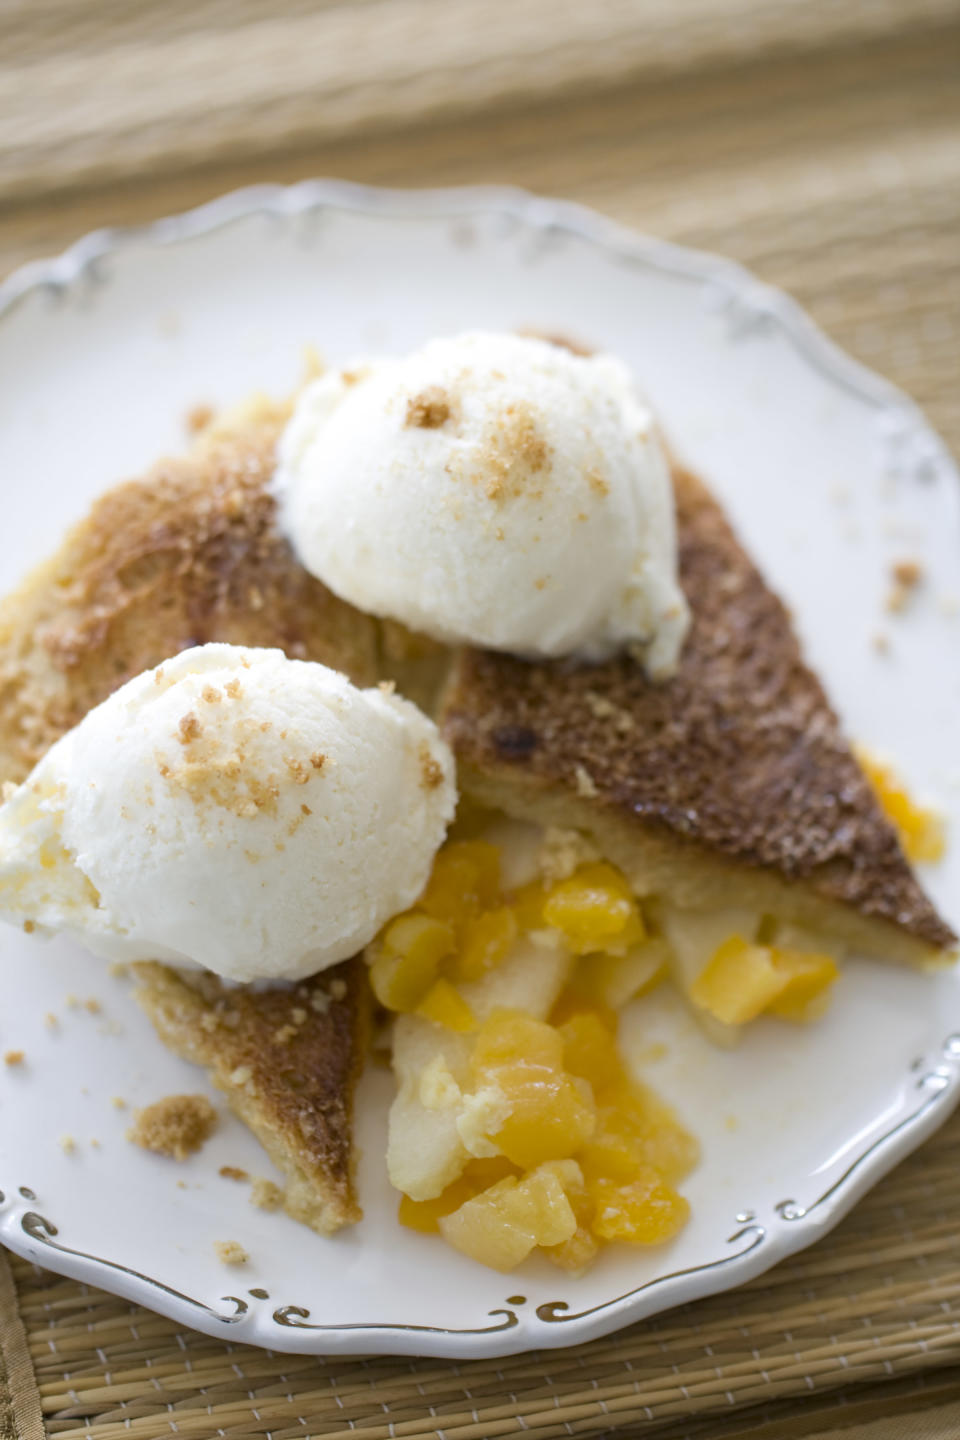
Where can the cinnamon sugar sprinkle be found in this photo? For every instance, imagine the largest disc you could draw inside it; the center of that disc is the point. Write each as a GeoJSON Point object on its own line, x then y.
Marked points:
{"type": "Point", "coordinates": [428, 410]}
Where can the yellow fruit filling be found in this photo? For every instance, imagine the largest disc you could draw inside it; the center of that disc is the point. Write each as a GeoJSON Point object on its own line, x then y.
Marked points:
{"type": "Point", "coordinates": [743, 979]}
{"type": "Point", "coordinates": [517, 1126]}
{"type": "Point", "coordinates": [921, 830]}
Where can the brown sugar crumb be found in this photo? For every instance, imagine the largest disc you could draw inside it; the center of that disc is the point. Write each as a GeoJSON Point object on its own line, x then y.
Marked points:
{"type": "Point", "coordinates": [14, 1057]}
{"type": "Point", "coordinates": [514, 451]}
{"type": "Point", "coordinates": [906, 577]}
{"type": "Point", "coordinates": [28, 927]}
{"type": "Point", "coordinates": [908, 573]}
{"type": "Point", "coordinates": [177, 1125]}
{"type": "Point", "coordinates": [299, 771]}
{"type": "Point", "coordinates": [597, 483]}
{"type": "Point", "coordinates": [284, 1034]}
{"type": "Point", "coordinates": [541, 583]}
{"type": "Point", "coordinates": [338, 989]}
{"type": "Point", "coordinates": [880, 642]}
{"type": "Point", "coordinates": [266, 1195]}
{"type": "Point", "coordinates": [189, 728]}
{"type": "Point", "coordinates": [212, 695]}
{"type": "Point", "coordinates": [67, 1144]}
{"type": "Point", "coordinates": [118, 1102]}
{"type": "Point", "coordinates": [320, 1002]}
{"type": "Point", "coordinates": [431, 771]}
{"type": "Point", "coordinates": [231, 1252]}
{"type": "Point", "coordinates": [71, 1002]}
{"type": "Point", "coordinates": [318, 759]}
{"type": "Point", "coordinates": [428, 410]}
{"type": "Point", "coordinates": [198, 417]}
{"type": "Point", "coordinates": [119, 969]}
{"type": "Point", "coordinates": [233, 689]}
{"type": "Point", "coordinates": [51, 1021]}
{"type": "Point", "coordinates": [298, 1015]}
{"type": "Point", "coordinates": [233, 1172]}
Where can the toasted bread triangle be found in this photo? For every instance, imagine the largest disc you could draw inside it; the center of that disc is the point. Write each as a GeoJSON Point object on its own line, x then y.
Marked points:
{"type": "Point", "coordinates": [186, 555]}
{"type": "Point", "coordinates": [730, 784]}
{"type": "Point", "coordinates": [287, 1061]}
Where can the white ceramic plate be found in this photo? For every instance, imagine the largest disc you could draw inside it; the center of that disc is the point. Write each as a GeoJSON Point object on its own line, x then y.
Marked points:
{"type": "Point", "coordinates": [828, 472]}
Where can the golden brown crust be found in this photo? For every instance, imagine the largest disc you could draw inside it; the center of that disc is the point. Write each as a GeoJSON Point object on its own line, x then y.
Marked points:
{"type": "Point", "coordinates": [287, 1060]}
{"type": "Point", "coordinates": [187, 555]}
{"type": "Point", "coordinates": [739, 755]}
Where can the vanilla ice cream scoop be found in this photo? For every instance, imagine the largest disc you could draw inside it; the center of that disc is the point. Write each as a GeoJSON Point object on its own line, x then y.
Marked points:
{"type": "Point", "coordinates": [490, 489]}
{"type": "Point", "coordinates": [232, 809]}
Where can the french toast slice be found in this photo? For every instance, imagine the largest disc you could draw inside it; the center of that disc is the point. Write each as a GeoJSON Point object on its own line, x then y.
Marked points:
{"type": "Point", "coordinates": [190, 554]}
{"type": "Point", "coordinates": [730, 785]}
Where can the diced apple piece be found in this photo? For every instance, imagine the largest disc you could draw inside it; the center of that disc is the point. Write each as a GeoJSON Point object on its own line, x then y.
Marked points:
{"type": "Point", "coordinates": [551, 1113]}
{"type": "Point", "coordinates": [502, 1225]}
{"type": "Point", "coordinates": [485, 942]}
{"type": "Point", "coordinates": [808, 978]}
{"type": "Point", "coordinates": [529, 979]}
{"type": "Point", "coordinates": [617, 979]}
{"type": "Point", "coordinates": [739, 982]}
{"type": "Point", "coordinates": [424, 1150]}
{"type": "Point", "coordinates": [594, 909]}
{"type": "Point", "coordinates": [407, 959]}
{"type": "Point", "coordinates": [644, 1211]}
{"type": "Point", "coordinates": [444, 1005]}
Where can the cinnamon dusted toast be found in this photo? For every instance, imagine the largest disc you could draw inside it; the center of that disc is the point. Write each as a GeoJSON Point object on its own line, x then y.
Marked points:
{"type": "Point", "coordinates": [187, 555]}
{"type": "Point", "coordinates": [730, 784]}
{"type": "Point", "coordinates": [288, 1061]}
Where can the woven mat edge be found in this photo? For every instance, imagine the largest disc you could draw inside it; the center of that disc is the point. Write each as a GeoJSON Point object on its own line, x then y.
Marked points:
{"type": "Point", "coordinates": [21, 1416]}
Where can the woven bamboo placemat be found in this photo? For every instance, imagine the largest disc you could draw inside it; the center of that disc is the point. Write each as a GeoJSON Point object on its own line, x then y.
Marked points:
{"type": "Point", "coordinates": [818, 143]}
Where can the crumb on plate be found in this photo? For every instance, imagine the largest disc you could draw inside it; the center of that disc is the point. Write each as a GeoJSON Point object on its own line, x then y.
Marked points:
{"type": "Point", "coordinates": [266, 1195]}
{"type": "Point", "coordinates": [177, 1125]}
{"type": "Point", "coordinates": [233, 1172]}
{"type": "Point", "coordinates": [14, 1057]}
{"type": "Point", "coordinates": [231, 1252]}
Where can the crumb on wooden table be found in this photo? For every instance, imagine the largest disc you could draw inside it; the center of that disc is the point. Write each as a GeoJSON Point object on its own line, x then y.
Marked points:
{"type": "Point", "coordinates": [177, 1125]}
{"type": "Point", "coordinates": [266, 1195]}
{"type": "Point", "coordinates": [14, 1057]}
{"type": "Point", "coordinates": [233, 1172]}
{"type": "Point", "coordinates": [231, 1252]}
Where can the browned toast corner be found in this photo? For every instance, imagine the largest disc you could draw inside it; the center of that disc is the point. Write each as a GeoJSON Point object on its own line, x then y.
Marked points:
{"type": "Point", "coordinates": [288, 1061]}
{"type": "Point", "coordinates": [731, 783]}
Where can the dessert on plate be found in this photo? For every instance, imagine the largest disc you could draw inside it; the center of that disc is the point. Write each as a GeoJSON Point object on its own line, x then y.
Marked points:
{"type": "Point", "coordinates": [653, 787]}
